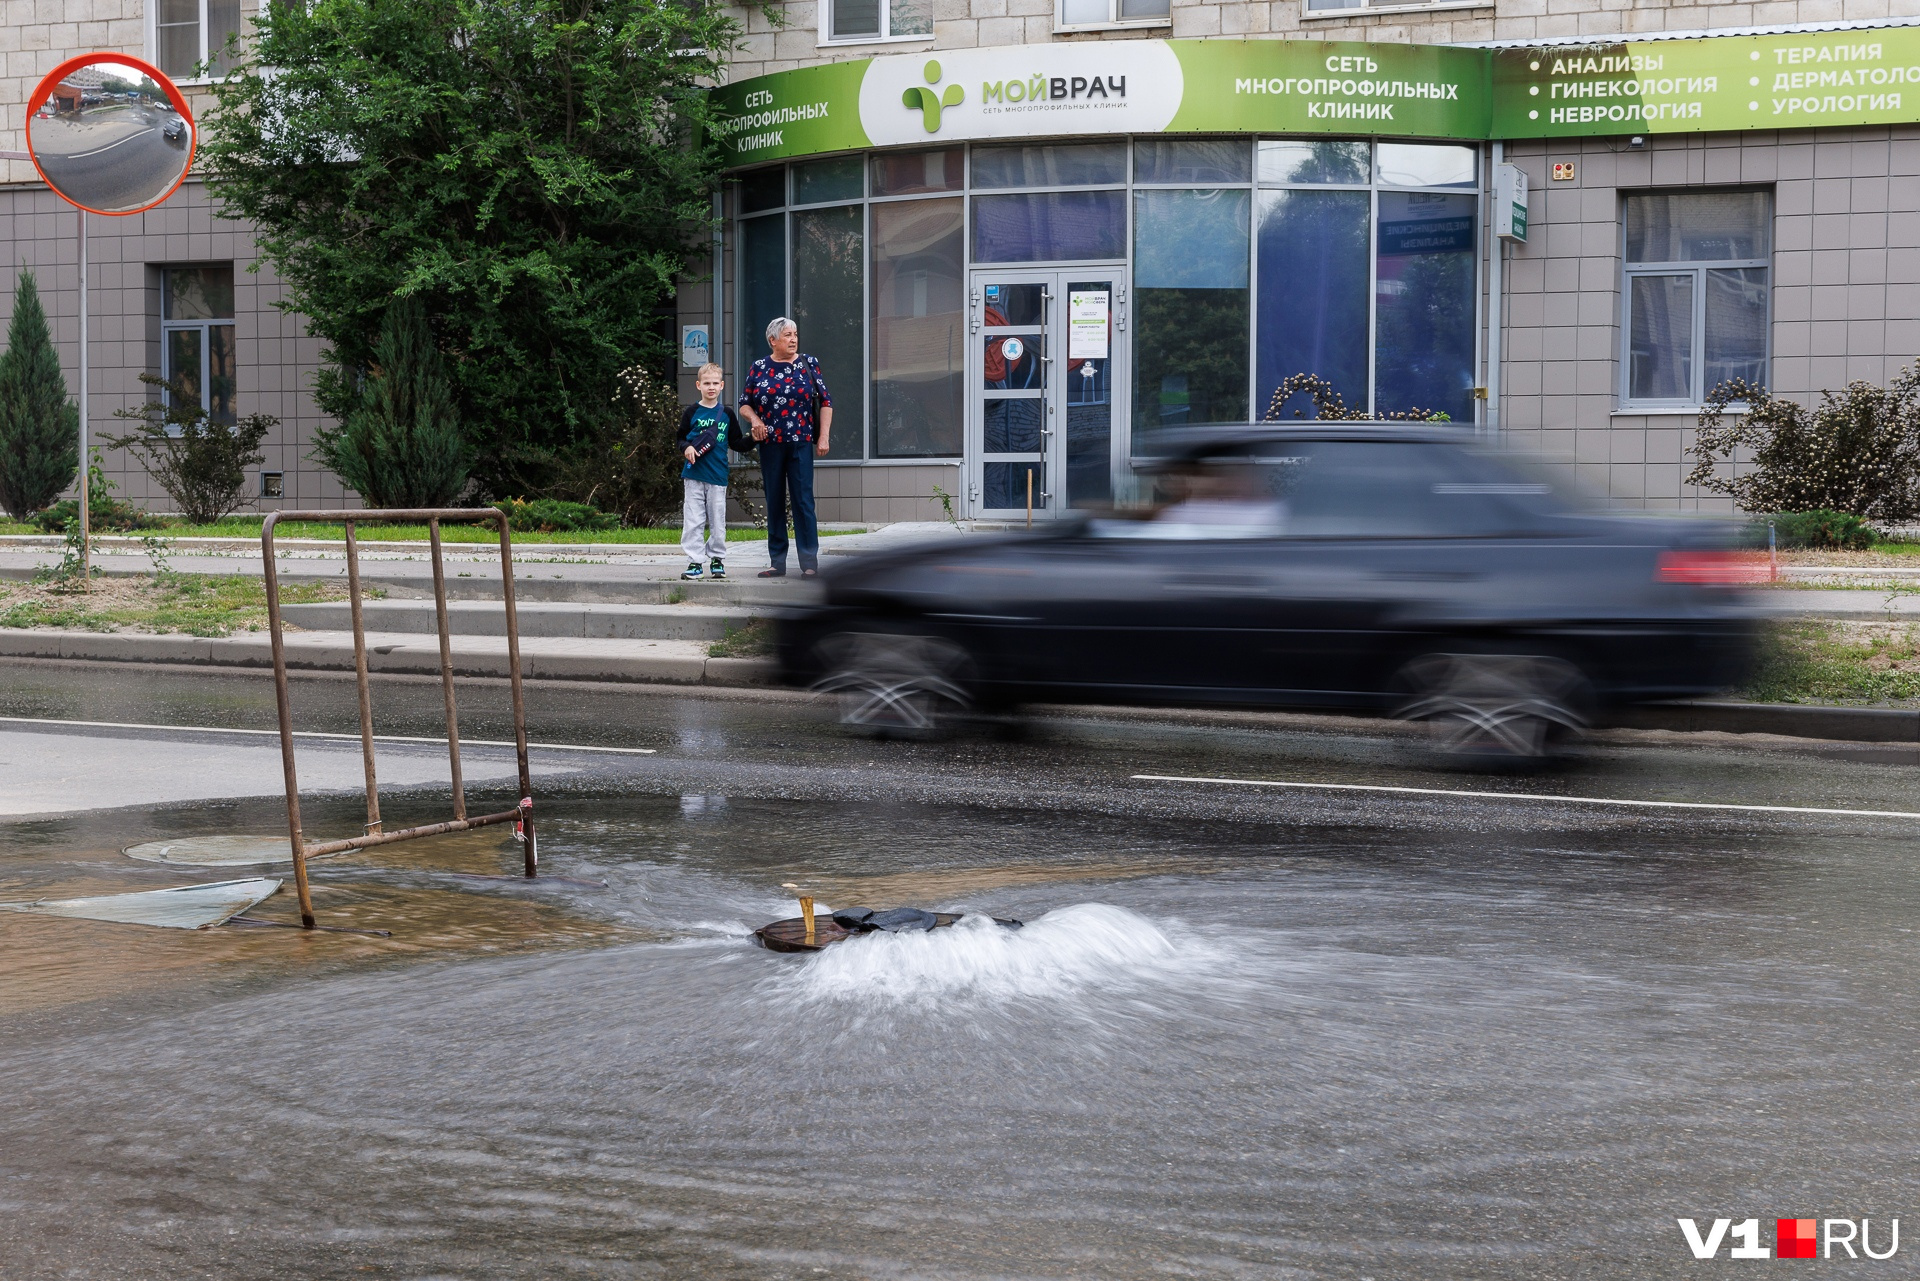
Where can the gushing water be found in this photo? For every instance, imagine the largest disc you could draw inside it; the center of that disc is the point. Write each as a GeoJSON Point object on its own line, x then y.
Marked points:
{"type": "Point", "coordinates": [1070, 951]}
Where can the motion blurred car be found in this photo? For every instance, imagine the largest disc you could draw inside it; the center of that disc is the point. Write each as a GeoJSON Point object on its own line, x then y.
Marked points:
{"type": "Point", "coordinates": [174, 130]}
{"type": "Point", "coordinates": [1404, 571]}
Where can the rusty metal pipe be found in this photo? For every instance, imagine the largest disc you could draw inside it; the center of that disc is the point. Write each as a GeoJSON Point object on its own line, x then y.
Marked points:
{"type": "Point", "coordinates": [446, 668]}
{"type": "Point", "coordinates": [530, 850]}
{"type": "Point", "coordinates": [360, 678]}
{"type": "Point", "coordinates": [285, 707]}
{"type": "Point", "coordinates": [407, 834]}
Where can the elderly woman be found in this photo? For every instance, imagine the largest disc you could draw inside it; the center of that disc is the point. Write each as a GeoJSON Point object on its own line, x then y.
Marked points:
{"type": "Point", "coordinates": [785, 401]}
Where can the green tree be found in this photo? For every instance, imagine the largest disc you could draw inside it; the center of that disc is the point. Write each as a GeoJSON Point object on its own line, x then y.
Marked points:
{"type": "Point", "coordinates": [400, 444]}
{"type": "Point", "coordinates": [537, 171]}
{"type": "Point", "coordinates": [39, 425]}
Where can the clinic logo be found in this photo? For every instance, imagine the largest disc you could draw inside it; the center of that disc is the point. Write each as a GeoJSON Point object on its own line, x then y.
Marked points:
{"type": "Point", "coordinates": [1792, 1239]}
{"type": "Point", "coordinates": [927, 104]}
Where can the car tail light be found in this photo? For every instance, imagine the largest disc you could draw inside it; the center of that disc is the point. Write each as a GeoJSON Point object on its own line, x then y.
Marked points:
{"type": "Point", "coordinates": [1714, 568]}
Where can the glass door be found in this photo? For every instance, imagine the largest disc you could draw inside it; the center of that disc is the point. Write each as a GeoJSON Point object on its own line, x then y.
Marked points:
{"type": "Point", "coordinates": [1041, 414]}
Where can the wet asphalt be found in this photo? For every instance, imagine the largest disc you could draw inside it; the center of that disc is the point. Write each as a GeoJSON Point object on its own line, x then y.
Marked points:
{"type": "Point", "coordinates": [1245, 1032]}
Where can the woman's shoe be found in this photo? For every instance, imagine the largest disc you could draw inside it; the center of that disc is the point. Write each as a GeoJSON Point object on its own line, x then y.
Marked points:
{"type": "Point", "coordinates": [773, 573]}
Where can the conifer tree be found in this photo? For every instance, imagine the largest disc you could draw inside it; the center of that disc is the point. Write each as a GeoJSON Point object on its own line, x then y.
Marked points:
{"type": "Point", "coordinates": [401, 444]}
{"type": "Point", "coordinates": [39, 424]}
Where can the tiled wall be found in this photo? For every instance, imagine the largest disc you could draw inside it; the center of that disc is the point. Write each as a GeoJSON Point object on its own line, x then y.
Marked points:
{"type": "Point", "coordinates": [962, 24]}
{"type": "Point", "coordinates": [276, 361]}
{"type": "Point", "coordinates": [1846, 286]}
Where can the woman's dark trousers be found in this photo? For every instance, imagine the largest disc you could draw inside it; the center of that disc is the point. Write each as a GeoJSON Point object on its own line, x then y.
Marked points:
{"type": "Point", "coordinates": [787, 469]}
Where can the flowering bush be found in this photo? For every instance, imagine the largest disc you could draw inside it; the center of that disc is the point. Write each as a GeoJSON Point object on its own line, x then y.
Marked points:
{"type": "Point", "coordinates": [1857, 451]}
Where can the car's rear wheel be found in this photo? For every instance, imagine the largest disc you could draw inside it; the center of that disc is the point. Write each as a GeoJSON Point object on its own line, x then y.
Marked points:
{"type": "Point", "coordinates": [1501, 706]}
{"type": "Point", "coordinates": [895, 681]}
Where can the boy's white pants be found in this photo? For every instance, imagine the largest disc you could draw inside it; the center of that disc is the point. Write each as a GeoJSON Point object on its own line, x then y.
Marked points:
{"type": "Point", "coordinates": [704, 510]}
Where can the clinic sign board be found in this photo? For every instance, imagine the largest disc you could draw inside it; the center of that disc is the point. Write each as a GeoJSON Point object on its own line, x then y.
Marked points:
{"type": "Point", "coordinates": [1349, 88]}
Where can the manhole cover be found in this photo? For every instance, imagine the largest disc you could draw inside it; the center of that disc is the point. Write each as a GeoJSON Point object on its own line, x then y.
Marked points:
{"type": "Point", "coordinates": [214, 851]}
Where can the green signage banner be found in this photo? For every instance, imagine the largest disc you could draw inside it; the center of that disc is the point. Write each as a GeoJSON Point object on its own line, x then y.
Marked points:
{"type": "Point", "coordinates": [1318, 86]}
{"type": "Point", "coordinates": [1710, 84]}
{"type": "Point", "coordinates": [1714, 84]}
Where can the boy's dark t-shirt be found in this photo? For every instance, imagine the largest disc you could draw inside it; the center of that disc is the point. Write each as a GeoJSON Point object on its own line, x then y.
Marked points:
{"type": "Point", "coordinates": [711, 467]}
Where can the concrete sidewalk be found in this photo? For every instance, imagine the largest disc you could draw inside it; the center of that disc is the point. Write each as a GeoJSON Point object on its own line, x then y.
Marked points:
{"type": "Point", "coordinates": [679, 662]}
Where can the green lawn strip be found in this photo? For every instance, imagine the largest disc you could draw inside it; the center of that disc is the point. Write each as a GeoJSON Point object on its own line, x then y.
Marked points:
{"type": "Point", "coordinates": [210, 605]}
{"type": "Point", "coordinates": [450, 533]}
{"type": "Point", "coordinates": [755, 640]}
{"type": "Point", "coordinates": [1826, 661]}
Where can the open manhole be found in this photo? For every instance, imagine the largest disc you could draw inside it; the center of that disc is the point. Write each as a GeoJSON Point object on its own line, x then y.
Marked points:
{"type": "Point", "coordinates": [215, 851]}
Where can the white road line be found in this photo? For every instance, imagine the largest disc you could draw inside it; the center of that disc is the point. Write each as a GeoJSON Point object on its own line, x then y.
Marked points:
{"type": "Point", "coordinates": [314, 733]}
{"type": "Point", "coordinates": [1529, 796]}
{"type": "Point", "coordinates": [82, 155]}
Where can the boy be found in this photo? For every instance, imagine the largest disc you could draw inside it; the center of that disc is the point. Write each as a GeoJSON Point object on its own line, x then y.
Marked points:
{"type": "Point", "coordinates": [707, 431]}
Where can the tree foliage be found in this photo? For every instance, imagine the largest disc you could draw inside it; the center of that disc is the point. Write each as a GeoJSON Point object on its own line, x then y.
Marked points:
{"type": "Point", "coordinates": [1856, 451]}
{"type": "Point", "coordinates": [632, 466]}
{"type": "Point", "coordinates": [400, 444]}
{"type": "Point", "coordinates": [536, 171]}
{"type": "Point", "coordinates": [200, 461]}
{"type": "Point", "coordinates": [39, 425]}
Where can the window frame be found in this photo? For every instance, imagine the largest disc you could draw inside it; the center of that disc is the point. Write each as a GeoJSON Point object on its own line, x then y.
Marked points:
{"type": "Point", "coordinates": [1388, 6]}
{"type": "Point", "coordinates": [249, 14]}
{"type": "Point", "coordinates": [1697, 269]}
{"type": "Point", "coordinates": [1113, 22]}
{"type": "Point", "coordinates": [203, 326]}
{"type": "Point", "coordinates": [828, 40]}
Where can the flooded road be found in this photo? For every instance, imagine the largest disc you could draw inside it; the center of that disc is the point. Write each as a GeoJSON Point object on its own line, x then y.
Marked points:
{"type": "Point", "coordinates": [1243, 1034]}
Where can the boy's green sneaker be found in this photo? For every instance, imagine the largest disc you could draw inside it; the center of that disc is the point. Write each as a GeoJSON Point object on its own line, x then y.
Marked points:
{"type": "Point", "coordinates": [694, 571]}
{"type": "Point", "coordinates": [717, 570]}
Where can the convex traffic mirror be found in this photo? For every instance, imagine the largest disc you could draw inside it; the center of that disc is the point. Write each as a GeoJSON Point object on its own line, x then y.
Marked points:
{"type": "Point", "coordinates": [110, 133]}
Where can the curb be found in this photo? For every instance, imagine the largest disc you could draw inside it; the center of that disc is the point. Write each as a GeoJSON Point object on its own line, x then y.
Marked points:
{"type": "Point", "coordinates": [1792, 720]}
{"type": "Point", "coordinates": [315, 655]}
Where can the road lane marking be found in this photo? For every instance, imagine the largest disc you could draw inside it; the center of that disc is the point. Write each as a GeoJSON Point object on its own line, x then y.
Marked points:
{"type": "Point", "coordinates": [1528, 796]}
{"type": "Point", "coordinates": [314, 733]}
{"type": "Point", "coordinates": [82, 155]}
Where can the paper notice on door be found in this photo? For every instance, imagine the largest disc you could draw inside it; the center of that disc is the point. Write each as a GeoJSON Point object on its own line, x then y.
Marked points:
{"type": "Point", "coordinates": [1087, 317]}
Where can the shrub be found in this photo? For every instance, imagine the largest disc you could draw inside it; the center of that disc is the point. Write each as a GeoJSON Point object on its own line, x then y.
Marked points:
{"type": "Point", "coordinates": [39, 425]}
{"type": "Point", "coordinates": [633, 469]}
{"type": "Point", "coordinates": [1857, 451]}
{"type": "Point", "coordinates": [104, 511]}
{"type": "Point", "coordinates": [551, 515]}
{"type": "Point", "coordinates": [1817, 529]}
{"type": "Point", "coordinates": [201, 463]}
{"type": "Point", "coordinates": [401, 444]}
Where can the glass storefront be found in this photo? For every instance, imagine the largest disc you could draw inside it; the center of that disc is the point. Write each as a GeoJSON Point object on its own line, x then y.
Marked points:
{"type": "Point", "coordinates": [1235, 263]}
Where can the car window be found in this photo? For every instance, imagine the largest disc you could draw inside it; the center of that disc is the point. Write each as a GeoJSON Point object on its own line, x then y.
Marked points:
{"type": "Point", "coordinates": [1342, 489]}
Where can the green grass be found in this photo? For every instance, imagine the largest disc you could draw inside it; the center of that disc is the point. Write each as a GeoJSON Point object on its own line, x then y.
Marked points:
{"type": "Point", "coordinates": [249, 527]}
{"type": "Point", "coordinates": [197, 604]}
{"type": "Point", "coordinates": [755, 640]}
{"type": "Point", "coordinates": [1826, 661]}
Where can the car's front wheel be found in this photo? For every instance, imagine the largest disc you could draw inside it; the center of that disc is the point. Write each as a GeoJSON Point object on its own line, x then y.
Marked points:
{"type": "Point", "coordinates": [895, 681]}
{"type": "Point", "coordinates": [1508, 706]}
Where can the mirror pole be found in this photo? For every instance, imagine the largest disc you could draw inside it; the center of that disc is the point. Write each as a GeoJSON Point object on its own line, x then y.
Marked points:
{"type": "Point", "coordinates": [86, 502]}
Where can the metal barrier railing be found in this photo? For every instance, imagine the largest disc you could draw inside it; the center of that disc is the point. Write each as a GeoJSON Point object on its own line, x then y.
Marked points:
{"type": "Point", "coordinates": [460, 822]}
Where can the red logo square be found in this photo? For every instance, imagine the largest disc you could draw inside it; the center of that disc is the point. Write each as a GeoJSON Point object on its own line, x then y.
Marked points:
{"type": "Point", "coordinates": [1793, 1239]}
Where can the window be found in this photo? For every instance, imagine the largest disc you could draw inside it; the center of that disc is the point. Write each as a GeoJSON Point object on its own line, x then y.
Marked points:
{"type": "Point", "coordinates": [196, 347]}
{"type": "Point", "coordinates": [1696, 294]}
{"type": "Point", "coordinates": [1365, 257]}
{"type": "Point", "coordinates": [1113, 13]}
{"type": "Point", "coordinates": [808, 261]}
{"type": "Point", "coordinates": [189, 32]}
{"type": "Point", "coordinates": [866, 20]}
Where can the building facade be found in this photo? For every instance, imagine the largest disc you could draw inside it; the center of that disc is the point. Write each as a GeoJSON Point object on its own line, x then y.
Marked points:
{"type": "Point", "coordinates": [1023, 234]}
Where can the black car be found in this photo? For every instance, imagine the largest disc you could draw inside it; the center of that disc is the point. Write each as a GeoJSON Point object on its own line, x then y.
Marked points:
{"type": "Point", "coordinates": [1401, 571]}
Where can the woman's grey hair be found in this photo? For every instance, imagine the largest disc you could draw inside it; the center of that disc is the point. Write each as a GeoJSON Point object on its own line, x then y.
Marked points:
{"type": "Point", "coordinates": [777, 326]}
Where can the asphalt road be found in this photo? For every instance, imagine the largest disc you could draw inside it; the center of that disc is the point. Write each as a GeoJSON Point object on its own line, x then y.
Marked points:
{"type": "Point", "coordinates": [115, 159]}
{"type": "Point", "coordinates": [1246, 1032]}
